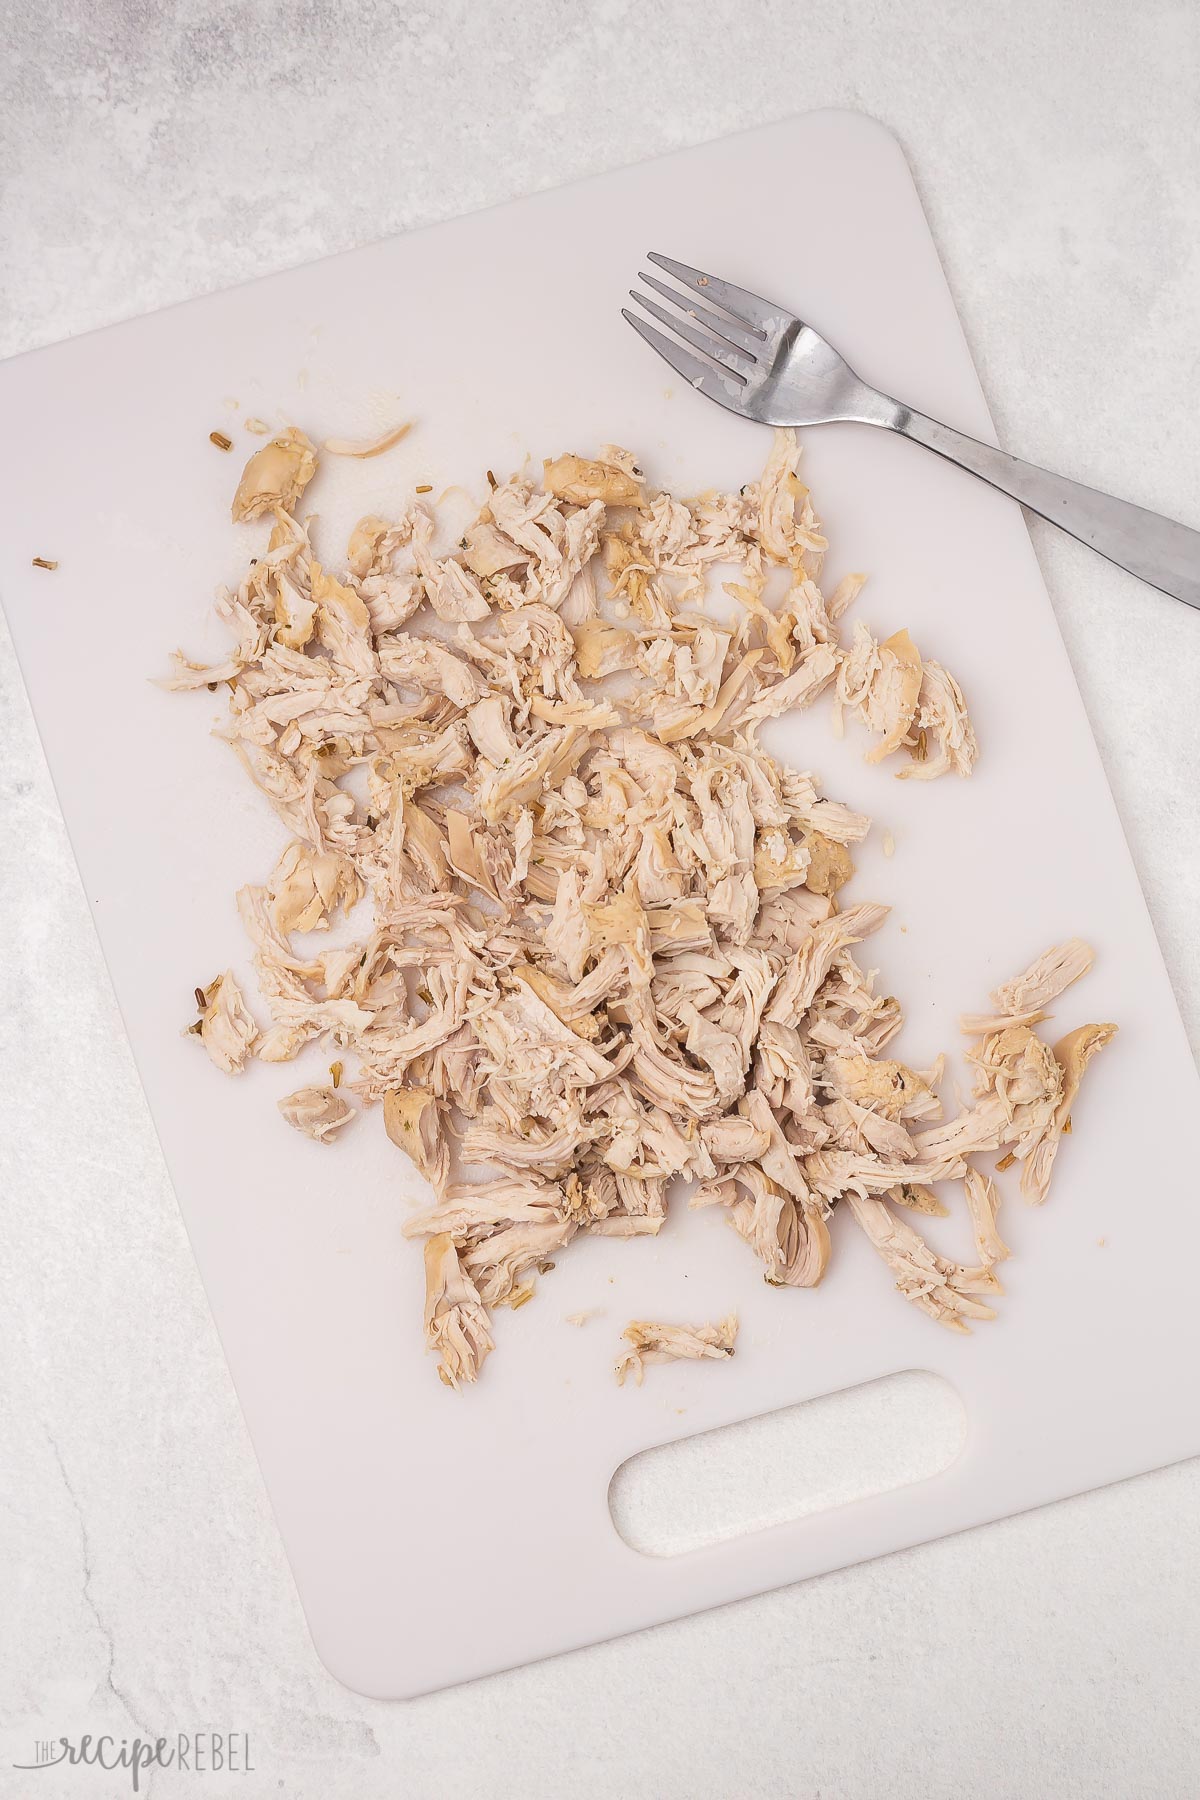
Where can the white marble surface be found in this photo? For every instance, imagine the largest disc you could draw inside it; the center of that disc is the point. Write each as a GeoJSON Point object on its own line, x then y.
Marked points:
{"type": "Point", "coordinates": [153, 153]}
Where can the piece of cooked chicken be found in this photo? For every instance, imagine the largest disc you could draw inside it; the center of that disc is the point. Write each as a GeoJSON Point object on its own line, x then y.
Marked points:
{"type": "Point", "coordinates": [414, 1118]}
{"type": "Point", "coordinates": [308, 884]}
{"type": "Point", "coordinates": [657, 1343]}
{"type": "Point", "coordinates": [226, 1026]}
{"type": "Point", "coordinates": [275, 476]}
{"type": "Point", "coordinates": [456, 1324]}
{"type": "Point", "coordinates": [941, 714]}
{"type": "Point", "coordinates": [586, 935]}
{"type": "Point", "coordinates": [1023, 1000]}
{"type": "Point", "coordinates": [576, 479]}
{"type": "Point", "coordinates": [1072, 1053]}
{"type": "Point", "coordinates": [983, 1202]}
{"type": "Point", "coordinates": [881, 682]}
{"type": "Point", "coordinates": [318, 1112]}
{"type": "Point", "coordinates": [945, 1290]}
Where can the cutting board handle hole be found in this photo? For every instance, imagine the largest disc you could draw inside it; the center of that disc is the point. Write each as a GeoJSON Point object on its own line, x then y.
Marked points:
{"type": "Point", "coordinates": [788, 1464]}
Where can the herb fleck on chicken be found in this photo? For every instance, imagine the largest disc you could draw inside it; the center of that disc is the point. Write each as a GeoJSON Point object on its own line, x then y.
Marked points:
{"type": "Point", "coordinates": [605, 951]}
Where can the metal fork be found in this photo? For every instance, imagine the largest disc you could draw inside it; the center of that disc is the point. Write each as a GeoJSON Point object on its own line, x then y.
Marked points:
{"type": "Point", "coordinates": [759, 360]}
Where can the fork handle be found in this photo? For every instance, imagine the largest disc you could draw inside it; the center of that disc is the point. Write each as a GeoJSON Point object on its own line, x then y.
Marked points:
{"type": "Point", "coordinates": [1159, 550]}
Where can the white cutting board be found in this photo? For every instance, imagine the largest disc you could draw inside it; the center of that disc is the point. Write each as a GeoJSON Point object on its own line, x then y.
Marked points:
{"type": "Point", "coordinates": [436, 1536]}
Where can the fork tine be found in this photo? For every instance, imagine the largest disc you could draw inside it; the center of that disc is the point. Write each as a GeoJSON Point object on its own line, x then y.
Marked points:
{"type": "Point", "coordinates": [723, 328]}
{"type": "Point", "coordinates": [739, 361]}
{"type": "Point", "coordinates": [751, 309]}
{"type": "Point", "coordinates": [724, 389]}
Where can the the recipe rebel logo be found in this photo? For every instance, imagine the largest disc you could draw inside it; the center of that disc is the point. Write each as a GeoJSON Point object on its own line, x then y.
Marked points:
{"type": "Point", "coordinates": [197, 1753]}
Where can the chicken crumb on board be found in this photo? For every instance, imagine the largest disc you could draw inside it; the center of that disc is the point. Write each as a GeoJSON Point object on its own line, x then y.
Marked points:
{"type": "Point", "coordinates": [606, 950]}
{"type": "Point", "coordinates": [657, 1343]}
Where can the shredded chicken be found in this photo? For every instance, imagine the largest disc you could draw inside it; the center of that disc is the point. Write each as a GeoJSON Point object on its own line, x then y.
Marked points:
{"type": "Point", "coordinates": [307, 885]}
{"type": "Point", "coordinates": [653, 1343]}
{"type": "Point", "coordinates": [945, 1290]}
{"type": "Point", "coordinates": [373, 446]}
{"type": "Point", "coordinates": [881, 683]}
{"type": "Point", "coordinates": [1024, 999]}
{"type": "Point", "coordinates": [276, 476]}
{"type": "Point", "coordinates": [456, 1322]}
{"type": "Point", "coordinates": [982, 1203]}
{"type": "Point", "coordinates": [226, 1026]}
{"type": "Point", "coordinates": [941, 713]}
{"type": "Point", "coordinates": [1072, 1053]}
{"type": "Point", "coordinates": [550, 903]}
{"type": "Point", "coordinates": [316, 1111]}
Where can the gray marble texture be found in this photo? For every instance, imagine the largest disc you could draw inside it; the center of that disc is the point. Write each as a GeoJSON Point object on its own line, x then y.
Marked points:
{"type": "Point", "coordinates": [149, 152]}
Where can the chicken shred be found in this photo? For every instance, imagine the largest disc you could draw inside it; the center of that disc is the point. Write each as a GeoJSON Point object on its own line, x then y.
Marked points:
{"type": "Point", "coordinates": [1072, 1053]}
{"type": "Point", "coordinates": [941, 712]}
{"type": "Point", "coordinates": [456, 1322]}
{"type": "Point", "coordinates": [1023, 1000]}
{"type": "Point", "coordinates": [226, 1026]}
{"type": "Point", "coordinates": [318, 1112]}
{"type": "Point", "coordinates": [276, 476]}
{"type": "Point", "coordinates": [372, 446]}
{"type": "Point", "coordinates": [946, 1290]}
{"type": "Point", "coordinates": [656, 1343]}
{"type": "Point", "coordinates": [881, 683]}
{"type": "Point", "coordinates": [605, 952]}
{"type": "Point", "coordinates": [982, 1203]}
